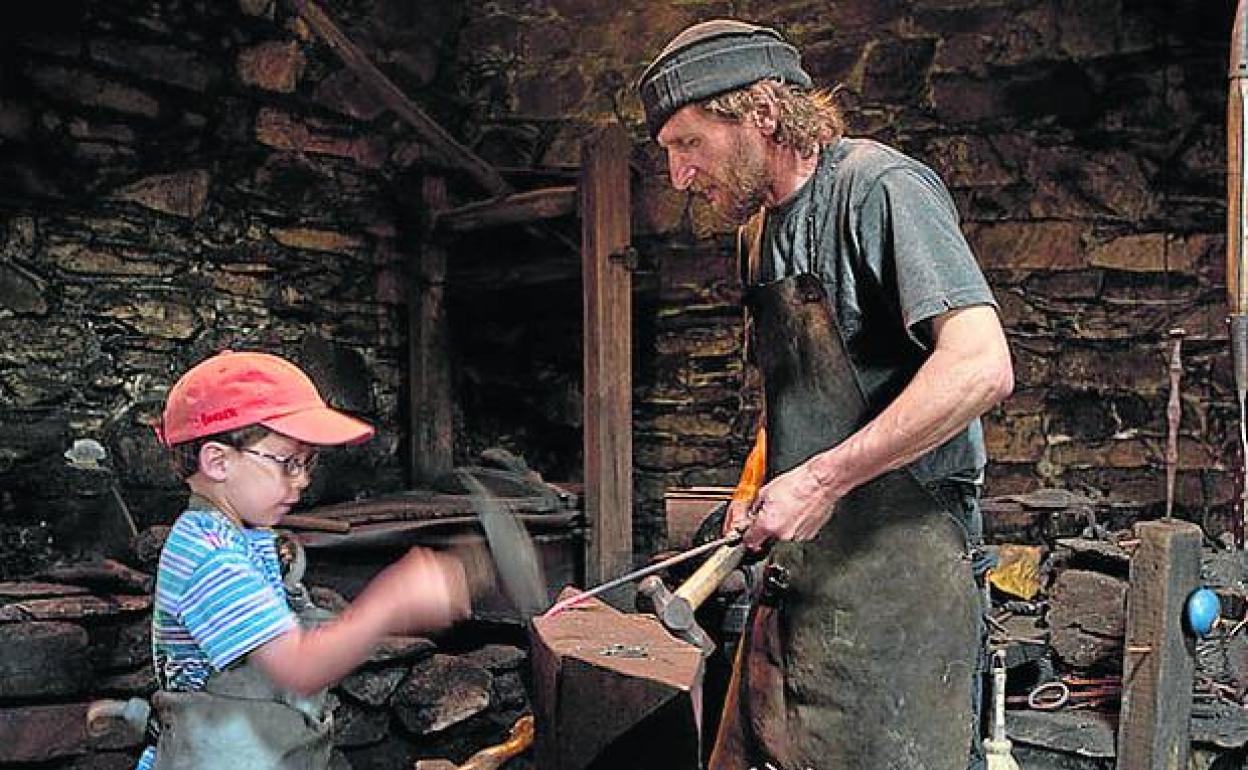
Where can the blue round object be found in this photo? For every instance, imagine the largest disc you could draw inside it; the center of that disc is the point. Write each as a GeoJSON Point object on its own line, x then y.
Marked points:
{"type": "Point", "coordinates": [1203, 610]}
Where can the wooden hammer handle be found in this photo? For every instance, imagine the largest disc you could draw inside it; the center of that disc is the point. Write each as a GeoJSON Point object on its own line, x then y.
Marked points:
{"type": "Point", "coordinates": [703, 582]}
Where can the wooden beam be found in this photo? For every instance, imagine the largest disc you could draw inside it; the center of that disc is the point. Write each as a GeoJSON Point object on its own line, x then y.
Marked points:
{"type": "Point", "coordinates": [517, 208]}
{"type": "Point", "coordinates": [431, 430]}
{"type": "Point", "coordinates": [445, 145]}
{"type": "Point", "coordinates": [605, 231]}
{"type": "Point", "coordinates": [1159, 658]}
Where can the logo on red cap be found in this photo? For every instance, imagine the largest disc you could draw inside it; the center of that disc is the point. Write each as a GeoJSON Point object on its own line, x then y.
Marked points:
{"type": "Point", "coordinates": [234, 390]}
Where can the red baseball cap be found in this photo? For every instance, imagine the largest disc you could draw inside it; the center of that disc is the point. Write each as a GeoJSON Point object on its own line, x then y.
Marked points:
{"type": "Point", "coordinates": [233, 390]}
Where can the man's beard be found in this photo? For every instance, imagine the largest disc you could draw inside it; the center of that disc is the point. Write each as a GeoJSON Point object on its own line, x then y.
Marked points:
{"type": "Point", "coordinates": [744, 185]}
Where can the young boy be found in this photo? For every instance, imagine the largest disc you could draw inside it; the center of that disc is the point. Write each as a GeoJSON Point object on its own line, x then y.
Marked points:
{"type": "Point", "coordinates": [242, 682]}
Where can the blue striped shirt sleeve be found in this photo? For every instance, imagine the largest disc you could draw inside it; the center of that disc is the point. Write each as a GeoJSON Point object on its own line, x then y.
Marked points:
{"type": "Point", "coordinates": [230, 609]}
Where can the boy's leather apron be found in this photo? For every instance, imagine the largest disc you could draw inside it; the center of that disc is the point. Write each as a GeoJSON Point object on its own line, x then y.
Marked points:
{"type": "Point", "coordinates": [240, 720]}
{"type": "Point", "coordinates": [860, 650]}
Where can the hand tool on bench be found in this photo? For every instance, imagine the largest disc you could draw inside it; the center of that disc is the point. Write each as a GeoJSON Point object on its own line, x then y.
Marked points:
{"type": "Point", "coordinates": [728, 542]}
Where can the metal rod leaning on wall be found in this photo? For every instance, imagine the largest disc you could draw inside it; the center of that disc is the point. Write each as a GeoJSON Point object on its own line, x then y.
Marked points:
{"type": "Point", "coordinates": [1174, 415]}
{"type": "Point", "coordinates": [1236, 225]}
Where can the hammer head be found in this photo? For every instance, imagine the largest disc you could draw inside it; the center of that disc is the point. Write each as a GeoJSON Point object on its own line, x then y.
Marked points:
{"type": "Point", "coordinates": [674, 612]}
{"type": "Point", "coordinates": [515, 558]}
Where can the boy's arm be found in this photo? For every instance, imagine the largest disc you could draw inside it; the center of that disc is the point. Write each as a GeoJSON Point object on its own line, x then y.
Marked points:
{"type": "Point", "coordinates": [423, 591]}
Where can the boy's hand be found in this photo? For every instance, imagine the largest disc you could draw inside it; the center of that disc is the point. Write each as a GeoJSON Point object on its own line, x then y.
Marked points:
{"type": "Point", "coordinates": [423, 591]}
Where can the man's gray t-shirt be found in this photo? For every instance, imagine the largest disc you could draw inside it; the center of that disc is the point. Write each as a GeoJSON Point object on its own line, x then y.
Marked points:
{"type": "Point", "coordinates": [881, 230]}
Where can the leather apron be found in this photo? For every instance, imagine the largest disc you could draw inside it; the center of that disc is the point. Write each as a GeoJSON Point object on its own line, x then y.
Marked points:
{"type": "Point", "coordinates": [241, 720]}
{"type": "Point", "coordinates": [860, 650]}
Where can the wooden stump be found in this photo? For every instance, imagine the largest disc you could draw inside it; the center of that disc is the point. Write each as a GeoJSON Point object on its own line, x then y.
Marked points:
{"type": "Point", "coordinates": [614, 691]}
{"type": "Point", "coordinates": [1158, 656]}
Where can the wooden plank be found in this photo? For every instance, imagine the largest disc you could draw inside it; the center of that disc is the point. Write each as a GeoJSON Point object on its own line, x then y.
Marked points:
{"type": "Point", "coordinates": [605, 230]}
{"type": "Point", "coordinates": [432, 433]}
{"type": "Point", "coordinates": [451, 151]}
{"type": "Point", "coordinates": [518, 208]}
{"type": "Point", "coordinates": [1159, 658]}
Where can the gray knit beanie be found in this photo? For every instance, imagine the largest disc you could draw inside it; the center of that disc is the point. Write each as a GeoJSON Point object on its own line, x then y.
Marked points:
{"type": "Point", "coordinates": [712, 58]}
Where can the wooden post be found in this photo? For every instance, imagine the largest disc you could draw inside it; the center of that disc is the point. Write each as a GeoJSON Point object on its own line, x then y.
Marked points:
{"type": "Point", "coordinates": [605, 237]}
{"type": "Point", "coordinates": [1159, 657]}
{"type": "Point", "coordinates": [429, 368]}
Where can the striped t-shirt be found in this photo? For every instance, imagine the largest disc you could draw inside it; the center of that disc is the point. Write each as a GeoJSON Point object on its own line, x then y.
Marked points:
{"type": "Point", "coordinates": [219, 595]}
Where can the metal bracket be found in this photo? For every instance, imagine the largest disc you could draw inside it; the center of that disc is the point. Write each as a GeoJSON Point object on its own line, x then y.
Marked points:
{"type": "Point", "coordinates": [627, 257]}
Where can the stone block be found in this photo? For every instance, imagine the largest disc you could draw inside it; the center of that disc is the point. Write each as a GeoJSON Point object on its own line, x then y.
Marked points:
{"type": "Point", "coordinates": [701, 424]}
{"type": "Point", "coordinates": [183, 194]}
{"type": "Point", "coordinates": [1144, 252]}
{"type": "Point", "coordinates": [896, 70]}
{"type": "Point", "coordinates": [1066, 286]}
{"type": "Point", "coordinates": [394, 648]}
{"type": "Point", "coordinates": [43, 733]}
{"type": "Point", "coordinates": [273, 66]}
{"type": "Point", "coordinates": [440, 692]}
{"type": "Point", "coordinates": [1015, 438]}
{"type": "Point", "coordinates": [959, 100]}
{"type": "Point", "coordinates": [1132, 452]}
{"type": "Point", "coordinates": [165, 63]}
{"type": "Point", "coordinates": [81, 259]}
{"type": "Point", "coordinates": [282, 131]}
{"type": "Point", "coordinates": [1089, 30]}
{"type": "Point", "coordinates": [164, 317]}
{"type": "Point", "coordinates": [358, 726]}
{"type": "Point", "coordinates": [373, 686]}
{"type": "Point", "coordinates": [496, 658]}
{"type": "Point", "coordinates": [1087, 616]}
{"type": "Point", "coordinates": [1038, 245]}
{"type": "Point", "coordinates": [313, 239]}
{"type": "Point", "coordinates": [1096, 369]}
{"type": "Point", "coordinates": [1018, 313]}
{"type": "Point", "coordinates": [343, 92]}
{"type": "Point", "coordinates": [672, 455]}
{"type": "Point", "coordinates": [121, 646]}
{"type": "Point", "coordinates": [74, 608]}
{"type": "Point", "coordinates": [91, 90]}
{"type": "Point", "coordinates": [21, 291]}
{"type": "Point", "coordinates": [43, 660]}
{"type": "Point", "coordinates": [968, 160]}
{"type": "Point", "coordinates": [1033, 364]}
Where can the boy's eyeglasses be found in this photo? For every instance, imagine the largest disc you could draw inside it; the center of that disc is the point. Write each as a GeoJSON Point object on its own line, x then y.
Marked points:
{"type": "Point", "coordinates": [291, 466]}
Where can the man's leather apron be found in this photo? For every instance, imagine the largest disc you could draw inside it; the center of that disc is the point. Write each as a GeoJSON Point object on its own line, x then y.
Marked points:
{"type": "Point", "coordinates": [859, 652]}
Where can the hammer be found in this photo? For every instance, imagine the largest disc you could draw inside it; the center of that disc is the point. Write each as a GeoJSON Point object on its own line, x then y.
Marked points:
{"type": "Point", "coordinates": [675, 609]}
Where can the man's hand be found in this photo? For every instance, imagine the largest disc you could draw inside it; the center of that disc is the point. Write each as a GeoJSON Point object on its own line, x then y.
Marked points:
{"type": "Point", "coordinates": [793, 506]}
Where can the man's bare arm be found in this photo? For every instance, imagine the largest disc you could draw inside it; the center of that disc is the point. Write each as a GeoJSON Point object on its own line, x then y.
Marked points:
{"type": "Point", "coordinates": [967, 374]}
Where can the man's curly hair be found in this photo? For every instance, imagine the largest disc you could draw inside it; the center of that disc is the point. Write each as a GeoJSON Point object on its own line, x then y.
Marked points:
{"type": "Point", "coordinates": [808, 119]}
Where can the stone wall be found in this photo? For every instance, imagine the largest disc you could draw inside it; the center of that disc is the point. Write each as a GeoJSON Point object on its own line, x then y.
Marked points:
{"type": "Point", "coordinates": [189, 176]}
{"type": "Point", "coordinates": [180, 178]}
{"type": "Point", "coordinates": [1084, 143]}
